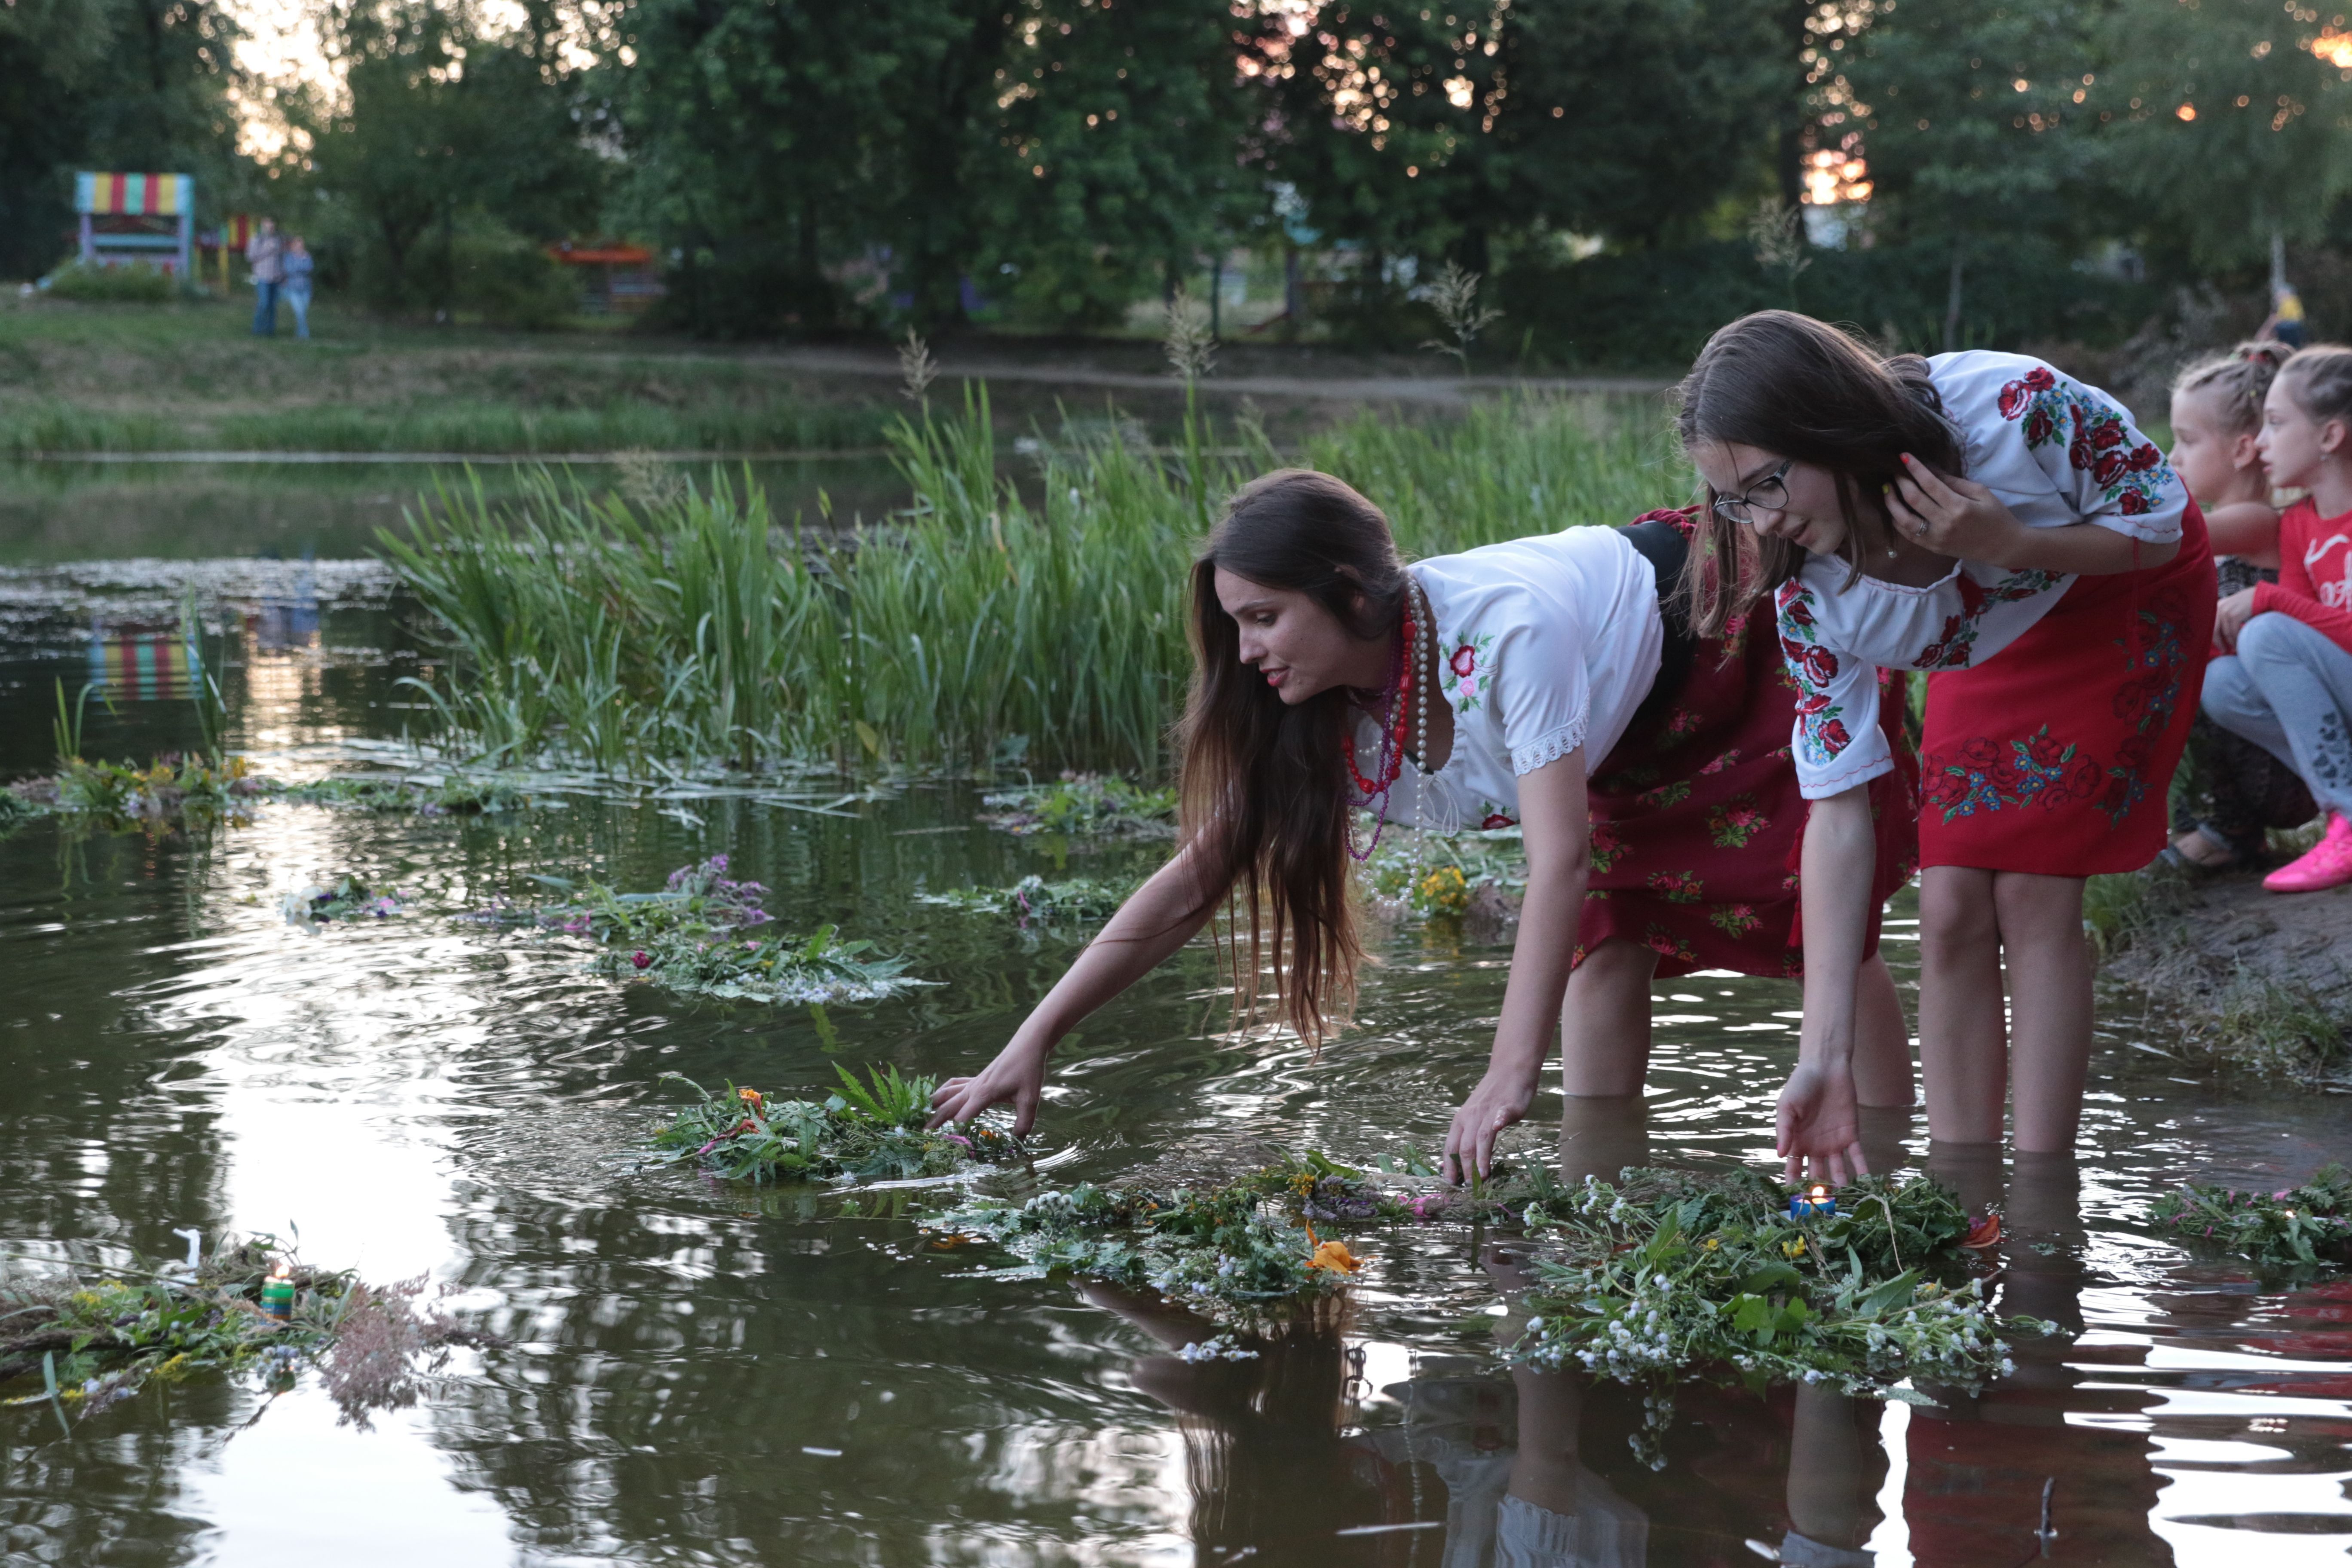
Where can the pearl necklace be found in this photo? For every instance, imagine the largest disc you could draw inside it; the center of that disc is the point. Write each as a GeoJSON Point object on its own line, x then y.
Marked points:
{"type": "Point", "coordinates": [1416, 654]}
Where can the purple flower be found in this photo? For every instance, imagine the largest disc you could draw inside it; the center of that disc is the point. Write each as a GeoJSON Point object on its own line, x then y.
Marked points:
{"type": "Point", "coordinates": [641, 961]}
{"type": "Point", "coordinates": [719, 862]}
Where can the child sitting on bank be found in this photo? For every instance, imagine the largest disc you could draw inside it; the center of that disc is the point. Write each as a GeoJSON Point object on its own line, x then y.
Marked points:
{"type": "Point", "coordinates": [2288, 683]}
{"type": "Point", "coordinates": [2237, 791]}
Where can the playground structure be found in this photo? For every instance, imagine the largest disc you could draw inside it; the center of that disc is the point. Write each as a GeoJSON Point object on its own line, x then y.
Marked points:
{"type": "Point", "coordinates": [613, 277]}
{"type": "Point", "coordinates": [138, 218]}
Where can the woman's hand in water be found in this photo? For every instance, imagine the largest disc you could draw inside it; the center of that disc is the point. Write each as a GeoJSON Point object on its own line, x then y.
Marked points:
{"type": "Point", "coordinates": [1501, 1098]}
{"type": "Point", "coordinates": [1952, 516]}
{"type": "Point", "coordinates": [1016, 1077]}
{"type": "Point", "coordinates": [1820, 1130]}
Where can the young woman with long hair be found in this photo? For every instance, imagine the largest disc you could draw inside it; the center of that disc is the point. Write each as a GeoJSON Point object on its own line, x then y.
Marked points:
{"type": "Point", "coordinates": [1984, 518]}
{"type": "Point", "coordinates": [1471, 690]}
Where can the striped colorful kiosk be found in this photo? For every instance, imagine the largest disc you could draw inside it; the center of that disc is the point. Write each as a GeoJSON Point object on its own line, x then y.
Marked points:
{"type": "Point", "coordinates": [146, 218]}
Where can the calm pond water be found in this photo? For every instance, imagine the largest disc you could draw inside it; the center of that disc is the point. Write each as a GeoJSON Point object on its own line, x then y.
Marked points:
{"type": "Point", "coordinates": [698, 1374]}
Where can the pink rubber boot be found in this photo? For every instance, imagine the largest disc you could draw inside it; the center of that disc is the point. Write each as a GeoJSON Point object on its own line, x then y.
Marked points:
{"type": "Point", "coordinates": [2327, 864]}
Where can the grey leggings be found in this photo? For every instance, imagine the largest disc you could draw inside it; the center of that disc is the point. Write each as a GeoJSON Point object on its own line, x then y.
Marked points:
{"type": "Point", "coordinates": [2288, 689]}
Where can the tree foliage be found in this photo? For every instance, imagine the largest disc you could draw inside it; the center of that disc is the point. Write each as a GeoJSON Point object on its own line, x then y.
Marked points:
{"type": "Point", "coordinates": [109, 84]}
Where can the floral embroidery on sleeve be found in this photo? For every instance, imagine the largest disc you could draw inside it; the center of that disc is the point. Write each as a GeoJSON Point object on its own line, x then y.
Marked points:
{"type": "Point", "coordinates": [2133, 477]}
{"type": "Point", "coordinates": [1469, 671]}
{"type": "Point", "coordinates": [1957, 641]}
{"type": "Point", "coordinates": [1820, 720]}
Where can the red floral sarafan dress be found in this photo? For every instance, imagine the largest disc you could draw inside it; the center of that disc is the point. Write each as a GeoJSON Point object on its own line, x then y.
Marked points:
{"type": "Point", "coordinates": [1697, 819]}
{"type": "Point", "coordinates": [2057, 707]}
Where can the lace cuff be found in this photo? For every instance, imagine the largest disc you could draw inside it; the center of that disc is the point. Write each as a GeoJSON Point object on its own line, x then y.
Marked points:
{"type": "Point", "coordinates": [1548, 748]}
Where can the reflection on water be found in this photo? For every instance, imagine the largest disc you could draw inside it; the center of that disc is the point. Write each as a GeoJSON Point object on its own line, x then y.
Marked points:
{"type": "Point", "coordinates": [699, 1374]}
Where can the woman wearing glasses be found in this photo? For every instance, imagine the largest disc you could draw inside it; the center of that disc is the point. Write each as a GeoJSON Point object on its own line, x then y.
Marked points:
{"type": "Point", "coordinates": [1984, 518]}
{"type": "Point", "coordinates": [1539, 683]}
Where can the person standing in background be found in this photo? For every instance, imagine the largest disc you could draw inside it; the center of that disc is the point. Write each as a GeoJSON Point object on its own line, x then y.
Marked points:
{"type": "Point", "coordinates": [297, 267]}
{"type": "Point", "coordinates": [264, 257]}
{"type": "Point", "coordinates": [2287, 323]}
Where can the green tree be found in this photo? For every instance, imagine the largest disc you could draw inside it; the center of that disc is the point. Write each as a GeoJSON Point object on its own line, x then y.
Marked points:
{"type": "Point", "coordinates": [2226, 124]}
{"type": "Point", "coordinates": [443, 120]}
{"type": "Point", "coordinates": [1435, 130]}
{"type": "Point", "coordinates": [858, 162]}
{"type": "Point", "coordinates": [1976, 124]}
{"type": "Point", "coordinates": [109, 84]}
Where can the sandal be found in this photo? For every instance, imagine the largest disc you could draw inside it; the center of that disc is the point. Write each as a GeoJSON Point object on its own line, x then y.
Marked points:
{"type": "Point", "coordinates": [2233, 856]}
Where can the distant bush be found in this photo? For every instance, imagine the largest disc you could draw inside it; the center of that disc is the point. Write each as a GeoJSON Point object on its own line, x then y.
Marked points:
{"type": "Point", "coordinates": [513, 283]}
{"type": "Point", "coordinates": [132, 284]}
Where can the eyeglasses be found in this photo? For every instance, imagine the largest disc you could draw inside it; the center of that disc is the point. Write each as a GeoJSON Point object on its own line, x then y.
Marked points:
{"type": "Point", "coordinates": [1771, 492]}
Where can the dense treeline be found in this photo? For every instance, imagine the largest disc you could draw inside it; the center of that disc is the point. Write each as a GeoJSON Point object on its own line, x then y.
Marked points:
{"type": "Point", "coordinates": [1624, 167]}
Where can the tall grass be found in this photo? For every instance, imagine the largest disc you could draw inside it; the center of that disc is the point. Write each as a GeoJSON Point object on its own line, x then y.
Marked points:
{"type": "Point", "coordinates": [1037, 614]}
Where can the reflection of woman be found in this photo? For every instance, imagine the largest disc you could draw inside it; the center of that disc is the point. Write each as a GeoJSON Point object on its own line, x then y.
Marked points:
{"type": "Point", "coordinates": [1483, 688]}
{"type": "Point", "coordinates": [1270, 1471]}
{"type": "Point", "coordinates": [1973, 1493]}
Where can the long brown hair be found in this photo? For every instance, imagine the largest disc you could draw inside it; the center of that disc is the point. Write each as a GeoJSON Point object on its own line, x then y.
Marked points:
{"type": "Point", "coordinates": [1801, 388]}
{"type": "Point", "coordinates": [1264, 802]}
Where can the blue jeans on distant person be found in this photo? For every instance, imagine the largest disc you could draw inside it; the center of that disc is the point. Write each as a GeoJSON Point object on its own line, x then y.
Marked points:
{"type": "Point", "coordinates": [265, 310]}
{"type": "Point", "coordinates": [298, 299]}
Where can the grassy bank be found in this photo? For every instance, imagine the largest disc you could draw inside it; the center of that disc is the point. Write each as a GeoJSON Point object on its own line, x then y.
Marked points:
{"type": "Point", "coordinates": [192, 377]}
{"type": "Point", "coordinates": [1036, 617]}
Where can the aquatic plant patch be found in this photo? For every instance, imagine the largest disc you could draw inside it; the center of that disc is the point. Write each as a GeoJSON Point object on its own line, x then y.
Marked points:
{"type": "Point", "coordinates": [1034, 904]}
{"type": "Point", "coordinates": [1675, 1275]}
{"type": "Point", "coordinates": [169, 789]}
{"type": "Point", "coordinates": [2311, 1223]}
{"type": "Point", "coordinates": [1435, 876]}
{"type": "Point", "coordinates": [350, 899]}
{"type": "Point", "coordinates": [863, 1132]}
{"type": "Point", "coordinates": [459, 797]}
{"type": "Point", "coordinates": [1233, 1253]}
{"type": "Point", "coordinates": [700, 934]}
{"type": "Point", "coordinates": [1084, 805]}
{"type": "Point", "coordinates": [95, 1337]}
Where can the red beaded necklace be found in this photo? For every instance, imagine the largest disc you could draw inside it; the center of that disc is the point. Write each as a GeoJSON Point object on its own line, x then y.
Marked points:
{"type": "Point", "coordinates": [1397, 707]}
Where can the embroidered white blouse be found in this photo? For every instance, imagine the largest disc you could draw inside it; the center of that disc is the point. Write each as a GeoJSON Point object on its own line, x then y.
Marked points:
{"type": "Point", "coordinates": [2055, 452]}
{"type": "Point", "coordinates": [1543, 644]}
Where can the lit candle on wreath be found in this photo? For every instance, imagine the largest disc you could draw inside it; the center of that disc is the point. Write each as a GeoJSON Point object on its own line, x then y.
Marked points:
{"type": "Point", "coordinates": [277, 1294]}
{"type": "Point", "coordinates": [1815, 1200]}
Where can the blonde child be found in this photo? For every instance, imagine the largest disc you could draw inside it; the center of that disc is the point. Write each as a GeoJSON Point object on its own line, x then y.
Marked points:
{"type": "Point", "coordinates": [2286, 681]}
{"type": "Point", "coordinates": [2241, 790]}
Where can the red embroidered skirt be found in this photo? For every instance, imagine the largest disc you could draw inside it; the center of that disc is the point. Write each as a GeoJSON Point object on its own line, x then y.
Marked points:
{"type": "Point", "coordinates": [1697, 823]}
{"type": "Point", "coordinates": [2055, 754]}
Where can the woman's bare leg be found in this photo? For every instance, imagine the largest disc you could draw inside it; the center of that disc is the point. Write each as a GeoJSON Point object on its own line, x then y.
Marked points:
{"type": "Point", "coordinates": [1881, 1038]}
{"type": "Point", "coordinates": [2049, 964]}
{"type": "Point", "coordinates": [1604, 1025]}
{"type": "Point", "coordinates": [1963, 1023]}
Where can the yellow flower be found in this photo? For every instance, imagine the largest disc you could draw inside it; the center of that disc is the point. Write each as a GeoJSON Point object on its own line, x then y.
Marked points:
{"type": "Point", "coordinates": [1334, 1256]}
{"type": "Point", "coordinates": [1445, 888]}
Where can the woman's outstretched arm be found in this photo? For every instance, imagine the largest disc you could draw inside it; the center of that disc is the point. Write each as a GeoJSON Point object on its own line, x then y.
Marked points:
{"type": "Point", "coordinates": [1818, 1124]}
{"type": "Point", "coordinates": [1156, 919]}
{"type": "Point", "coordinates": [1552, 814]}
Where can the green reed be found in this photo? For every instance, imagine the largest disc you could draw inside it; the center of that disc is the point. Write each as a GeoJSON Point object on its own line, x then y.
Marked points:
{"type": "Point", "coordinates": [1036, 613]}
